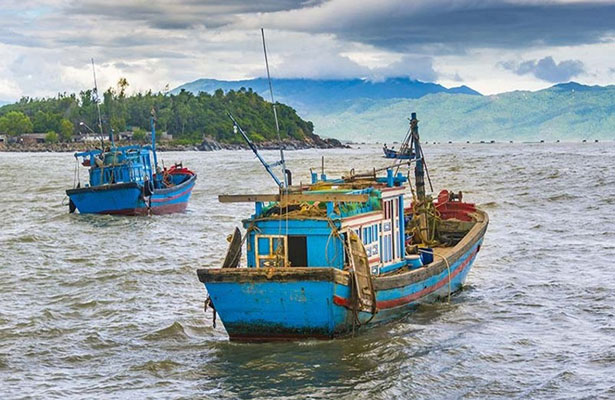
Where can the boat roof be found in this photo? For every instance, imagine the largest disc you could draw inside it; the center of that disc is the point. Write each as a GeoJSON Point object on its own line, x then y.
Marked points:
{"type": "Point", "coordinates": [329, 199]}
{"type": "Point", "coordinates": [121, 149]}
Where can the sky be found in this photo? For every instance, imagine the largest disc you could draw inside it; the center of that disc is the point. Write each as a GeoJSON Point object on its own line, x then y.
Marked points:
{"type": "Point", "coordinates": [491, 46]}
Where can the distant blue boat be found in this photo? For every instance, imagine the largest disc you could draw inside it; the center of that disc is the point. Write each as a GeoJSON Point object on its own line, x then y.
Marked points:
{"type": "Point", "coordinates": [126, 180]}
{"type": "Point", "coordinates": [337, 256]}
{"type": "Point", "coordinates": [392, 153]}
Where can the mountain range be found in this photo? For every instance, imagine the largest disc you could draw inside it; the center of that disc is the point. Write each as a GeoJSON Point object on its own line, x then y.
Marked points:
{"type": "Point", "coordinates": [360, 110]}
{"type": "Point", "coordinates": [309, 96]}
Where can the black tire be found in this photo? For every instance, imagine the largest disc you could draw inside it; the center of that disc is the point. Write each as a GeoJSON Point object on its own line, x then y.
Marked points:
{"type": "Point", "coordinates": [71, 207]}
{"type": "Point", "coordinates": [148, 188]}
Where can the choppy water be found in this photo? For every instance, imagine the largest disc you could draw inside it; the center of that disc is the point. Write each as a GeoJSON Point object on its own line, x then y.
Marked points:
{"type": "Point", "coordinates": [110, 307]}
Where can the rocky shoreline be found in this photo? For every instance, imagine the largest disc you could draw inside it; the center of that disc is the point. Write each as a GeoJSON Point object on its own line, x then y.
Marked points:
{"type": "Point", "coordinates": [208, 144]}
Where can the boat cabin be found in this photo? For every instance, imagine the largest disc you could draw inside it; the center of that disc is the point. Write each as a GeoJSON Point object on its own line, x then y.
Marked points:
{"type": "Point", "coordinates": [308, 226]}
{"type": "Point", "coordinates": [119, 165]}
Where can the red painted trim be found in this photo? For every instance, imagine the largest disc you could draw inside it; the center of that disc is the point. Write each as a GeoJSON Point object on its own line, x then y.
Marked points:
{"type": "Point", "coordinates": [342, 301]}
{"type": "Point", "coordinates": [169, 208]}
{"type": "Point", "coordinates": [157, 210]}
{"type": "Point", "coordinates": [165, 199]}
{"type": "Point", "coordinates": [126, 211]}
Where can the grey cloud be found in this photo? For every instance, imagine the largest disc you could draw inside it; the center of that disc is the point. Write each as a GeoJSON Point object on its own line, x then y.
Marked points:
{"type": "Point", "coordinates": [447, 26]}
{"type": "Point", "coordinates": [12, 37]}
{"type": "Point", "coordinates": [184, 14]}
{"type": "Point", "coordinates": [329, 64]}
{"type": "Point", "coordinates": [412, 66]}
{"type": "Point", "coordinates": [547, 69]}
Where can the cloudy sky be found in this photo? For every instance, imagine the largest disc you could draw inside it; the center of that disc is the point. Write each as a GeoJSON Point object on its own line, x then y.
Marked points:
{"type": "Point", "coordinates": [491, 46]}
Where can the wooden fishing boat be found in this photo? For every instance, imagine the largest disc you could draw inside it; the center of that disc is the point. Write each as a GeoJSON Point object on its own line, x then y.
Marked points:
{"type": "Point", "coordinates": [401, 155]}
{"type": "Point", "coordinates": [127, 180]}
{"type": "Point", "coordinates": [340, 255]}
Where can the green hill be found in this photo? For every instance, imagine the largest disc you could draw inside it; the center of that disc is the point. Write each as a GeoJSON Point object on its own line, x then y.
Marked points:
{"type": "Point", "coordinates": [186, 116]}
{"type": "Point", "coordinates": [314, 95]}
{"type": "Point", "coordinates": [566, 112]}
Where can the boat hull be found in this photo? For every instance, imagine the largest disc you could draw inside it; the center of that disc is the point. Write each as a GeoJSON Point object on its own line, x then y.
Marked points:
{"type": "Point", "coordinates": [389, 153]}
{"type": "Point", "coordinates": [129, 199]}
{"type": "Point", "coordinates": [263, 304]}
{"type": "Point", "coordinates": [265, 311]}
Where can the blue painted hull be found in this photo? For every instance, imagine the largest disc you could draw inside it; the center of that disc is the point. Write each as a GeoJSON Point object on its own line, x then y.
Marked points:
{"type": "Point", "coordinates": [389, 153]}
{"type": "Point", "coordinates": [129, 199]}
{"type": "Point", "coordinates": [257, 304]}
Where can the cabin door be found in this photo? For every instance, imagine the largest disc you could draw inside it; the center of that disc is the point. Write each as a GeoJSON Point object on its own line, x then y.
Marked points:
{"type": "Point", "coordinates": [395, 223]}
{"type": "Point", "coordinates": [362, 279]}
{"type": "Point", "coordinates": [389, 245]}
{"type": "Point", "coordinates": [297, 251]}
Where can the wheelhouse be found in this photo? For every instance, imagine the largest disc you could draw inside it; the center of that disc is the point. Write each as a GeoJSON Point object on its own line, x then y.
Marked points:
{"type": "Point", "coordinates": [118, 165]}
{"type": "Point", "coordinates": [308, 227]}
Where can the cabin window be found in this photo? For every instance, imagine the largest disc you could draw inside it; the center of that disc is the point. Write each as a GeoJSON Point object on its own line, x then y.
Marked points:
{"type": "Point", "coordinates": [264, 246]}
{"type": "Point", "coordinates": [271, 251]}
{"type": "Point", "coordinates": [297, 251]}
{"type": "Point", "coordinates": [390, 246]}
{"type": "Point", "coordinates": [277, 244]}
{"type": "Point", "coordinates": [366, 236]}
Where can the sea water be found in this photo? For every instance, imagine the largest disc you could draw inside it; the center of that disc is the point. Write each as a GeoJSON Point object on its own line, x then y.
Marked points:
{"type": "Point", "coordinates": [111, 307]}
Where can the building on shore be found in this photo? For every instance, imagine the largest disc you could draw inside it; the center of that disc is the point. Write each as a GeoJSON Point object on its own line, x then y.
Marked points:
{"type": "Point", "coordinates": [126, 135]}
{"type": "Point", "coordinates": [87, 138]}
{"type": "Point", "coordinates": [31, 138]}
{"type": "Point", "coordinates": [166, 136]}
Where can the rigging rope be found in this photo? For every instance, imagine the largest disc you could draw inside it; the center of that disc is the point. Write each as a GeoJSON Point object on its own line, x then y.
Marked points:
{"type": "Point", "coordinates": [448, 267]}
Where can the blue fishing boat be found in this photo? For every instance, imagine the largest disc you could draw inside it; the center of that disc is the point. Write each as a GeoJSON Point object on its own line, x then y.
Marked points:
{"type": "Point", "coordinates": [337, 256]}
{"type": "Point", "coordinates": [401, 155]}
{"type": "Point", "coordinates": [127, 180]}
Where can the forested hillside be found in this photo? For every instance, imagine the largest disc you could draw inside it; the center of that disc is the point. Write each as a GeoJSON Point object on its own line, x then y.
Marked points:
{"type": "Point", "coordinates": [327, 95]}
{"type": "Point", "coordinates": [186, 116]}
{"type": "Point", "coordinates": [566, 112]}
{"type": "Point", "coordinates": [360, 111]}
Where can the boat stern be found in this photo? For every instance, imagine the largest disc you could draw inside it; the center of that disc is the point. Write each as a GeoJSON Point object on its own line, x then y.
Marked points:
{"type": "Point", "coordinates": [267, 304]}
{"type": "Point", "coordinates": [120, 198]}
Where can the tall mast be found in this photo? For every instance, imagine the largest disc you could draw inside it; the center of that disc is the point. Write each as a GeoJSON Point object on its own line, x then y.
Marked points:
{"type": "Point", "coordinates": [152, 122]}
{"type": "Point", "coordinates": [419, 179]}
{"type": "Point", "coordinates": [419, 171]}
{"type": "Point", "coordinates": [275, 113]}
{"type": "Point", "coordinates": [100, 128]}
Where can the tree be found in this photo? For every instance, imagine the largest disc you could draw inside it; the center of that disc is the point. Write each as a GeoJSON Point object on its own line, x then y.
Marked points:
{"type": "Point", "coordinates": [122, 84]}
{"type": "Point", "coordinates": [138, 135]}
{"type": "Point", "coordinates": [66, 130]}
{"type": "Point", "coordinates": [184, 115]}
{"type": "Point", "coordinates": [51, 137]}
{"type": "Point", "coordinates": [15, 123]}
{"type": "Point", "coordinates": [41, 122]}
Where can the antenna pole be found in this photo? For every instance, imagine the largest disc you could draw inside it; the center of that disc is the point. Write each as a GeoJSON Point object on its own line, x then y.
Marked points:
{"type": "Point", "coordinates": [255, 150]}
{"type": "Point", "coordinates": [152, 123]}
{"type": "Point", "coordinates": [419, 172]}
{"type": "Point", "coordinates": [102, 143]}
{"type": "Point", "coordinates": [275, 113]}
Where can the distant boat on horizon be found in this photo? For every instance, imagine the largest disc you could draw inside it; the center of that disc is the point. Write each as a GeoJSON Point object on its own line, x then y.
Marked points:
{"type": "Point", "coordinates": [406, 154]}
